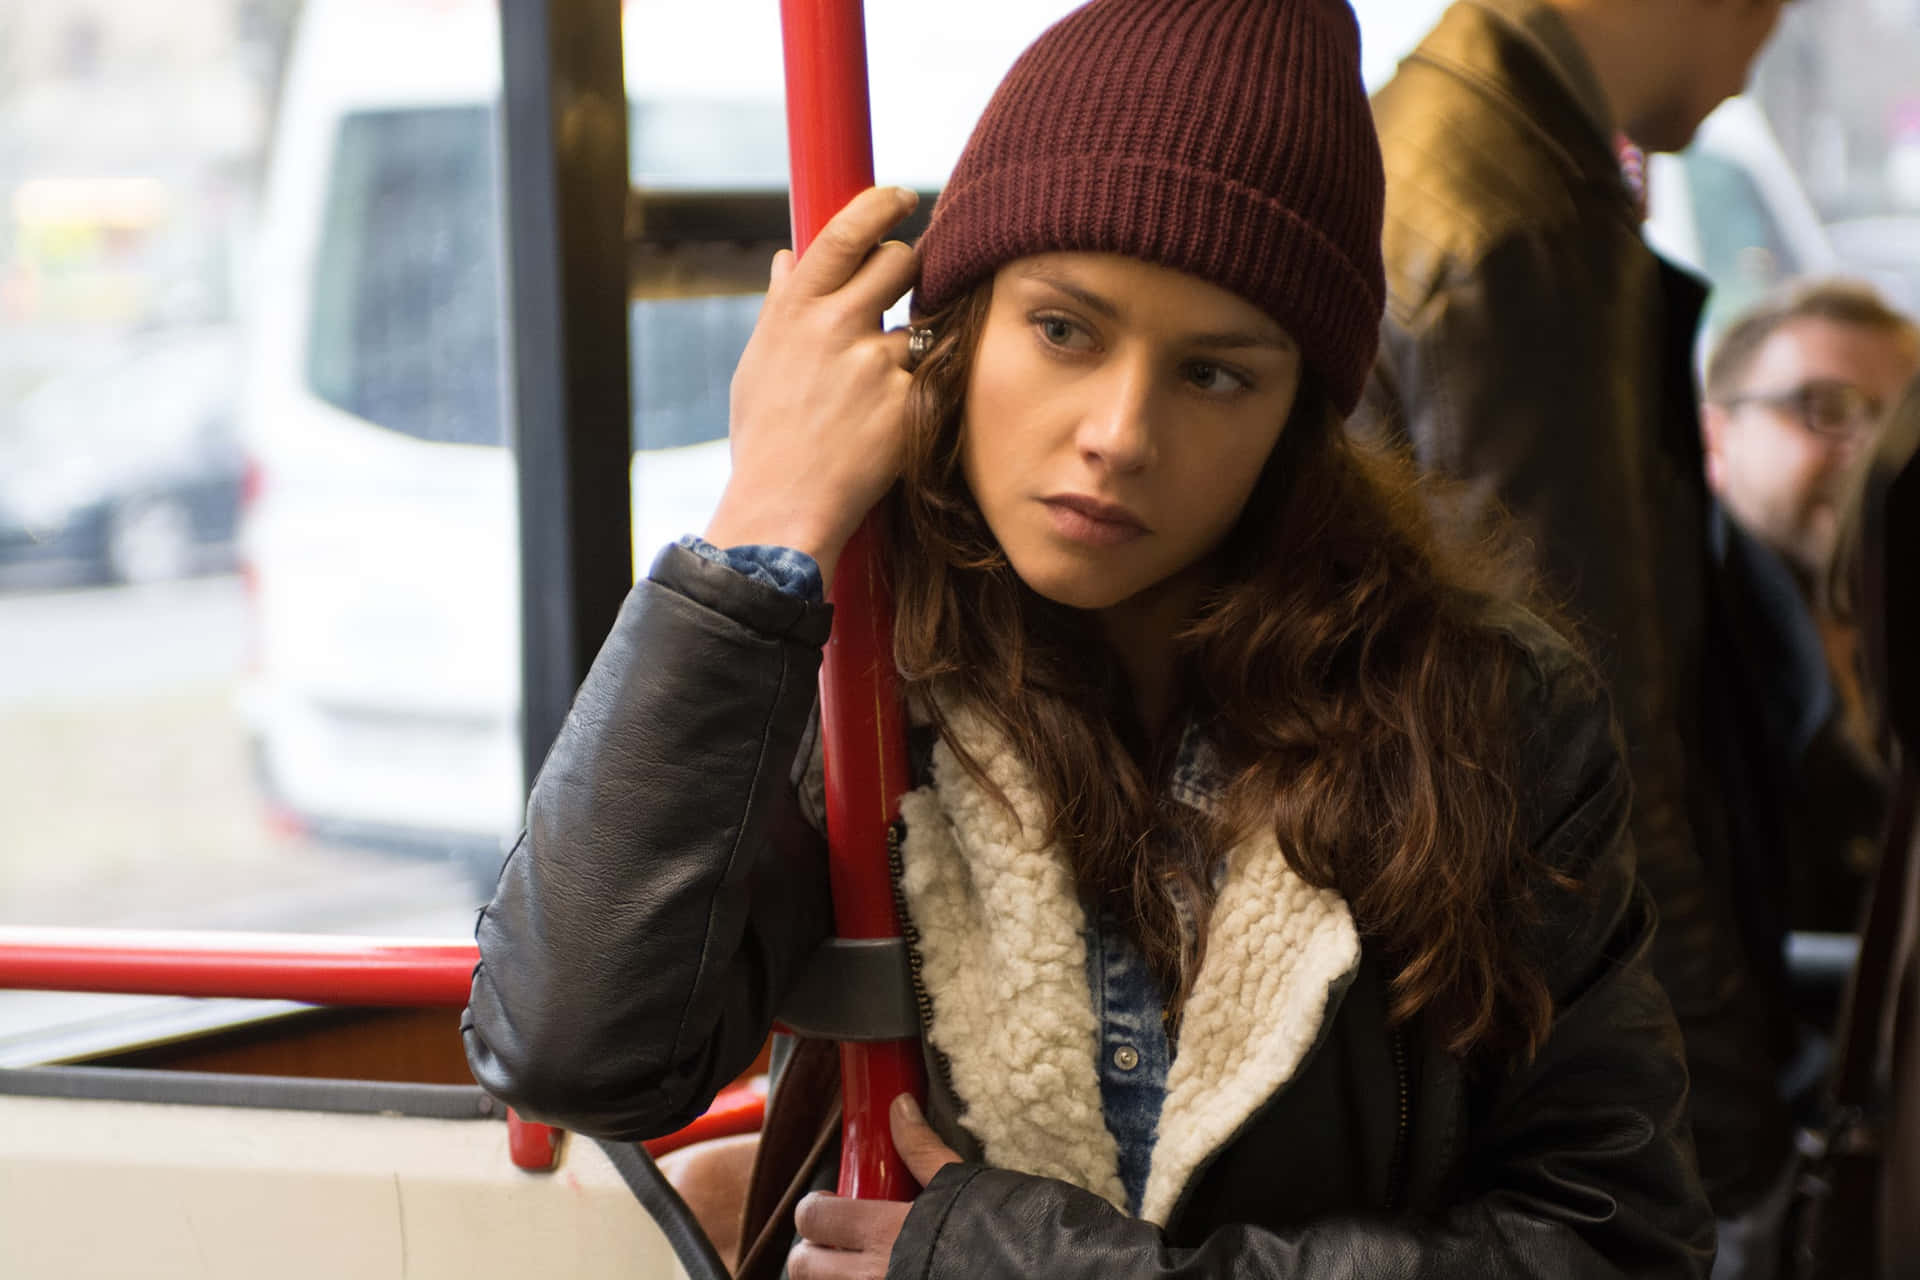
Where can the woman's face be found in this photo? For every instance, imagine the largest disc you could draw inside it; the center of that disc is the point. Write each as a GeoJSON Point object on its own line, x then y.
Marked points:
{"type": "Point", "coordinates": [1117, 417]}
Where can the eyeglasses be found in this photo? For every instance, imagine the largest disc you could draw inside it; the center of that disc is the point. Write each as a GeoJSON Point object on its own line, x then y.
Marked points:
{"type": "Point", "coordinates": [1824, 406]}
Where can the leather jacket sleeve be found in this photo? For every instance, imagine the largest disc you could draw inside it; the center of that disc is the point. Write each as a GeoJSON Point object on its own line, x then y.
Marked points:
{"type": "Point", "coordinates": [1575, 1164]}
{"type": "Point", "coordinates": [666, 888]}
{"type": "Point", "coordinates": [1525, 381]}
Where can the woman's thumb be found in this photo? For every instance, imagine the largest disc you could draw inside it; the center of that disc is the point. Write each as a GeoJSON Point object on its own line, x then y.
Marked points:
{"type": "Point", "coordinates": [919, 1146]}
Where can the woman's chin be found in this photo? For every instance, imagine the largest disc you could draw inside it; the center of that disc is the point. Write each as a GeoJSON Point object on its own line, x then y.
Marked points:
{"type": "Point", "coordinates": [1077, 586]}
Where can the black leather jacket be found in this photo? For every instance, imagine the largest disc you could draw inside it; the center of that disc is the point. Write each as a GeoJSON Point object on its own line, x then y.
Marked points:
{"type": "Point", "coordinates": [1538, 352]}
{"type": "Point", "coordinates": [668, 889]}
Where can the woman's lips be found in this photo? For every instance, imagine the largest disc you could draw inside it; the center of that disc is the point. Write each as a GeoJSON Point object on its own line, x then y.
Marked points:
{"type": "Point", "coordinates": [1090, 521]}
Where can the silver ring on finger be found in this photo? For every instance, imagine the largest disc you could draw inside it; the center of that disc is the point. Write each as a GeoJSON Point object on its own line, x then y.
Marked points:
{"type": "Point", "coordinates": [919, 344]}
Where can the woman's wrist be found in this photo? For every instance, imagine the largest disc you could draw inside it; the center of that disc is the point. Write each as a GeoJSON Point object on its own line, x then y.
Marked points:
{"type": "Point", "coordinates": [738, 524]}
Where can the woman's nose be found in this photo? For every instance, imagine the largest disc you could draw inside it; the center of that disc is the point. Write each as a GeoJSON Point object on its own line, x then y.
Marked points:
{"type": "Point", "coordinates": [1117, 425]}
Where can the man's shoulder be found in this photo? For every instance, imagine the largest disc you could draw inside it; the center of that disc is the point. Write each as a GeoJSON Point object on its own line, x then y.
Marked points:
{"type": "Point", "coordinates": [1442, 134]}
{"type": "Point", "coordinates": [1481, 152]}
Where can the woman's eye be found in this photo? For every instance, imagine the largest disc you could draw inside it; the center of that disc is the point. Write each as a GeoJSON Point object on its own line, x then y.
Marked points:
{"type": "Point", "coordinates": [1207, 376]}
{"type": "Point", "coordinates": [1058, 331]}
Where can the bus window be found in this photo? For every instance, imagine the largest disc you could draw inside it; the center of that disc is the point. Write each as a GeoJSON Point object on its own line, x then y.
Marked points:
{"type": "Point", "coordinates": [684, 350]}
{"type": "Point", "coordinates": [1742, 249]}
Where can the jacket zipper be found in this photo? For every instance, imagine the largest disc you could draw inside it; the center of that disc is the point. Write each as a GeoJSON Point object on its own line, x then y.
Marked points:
{"type": "Point", "coordinates": [1397, 1168]}
{"type": "Point", "coordinates": [896, 861]}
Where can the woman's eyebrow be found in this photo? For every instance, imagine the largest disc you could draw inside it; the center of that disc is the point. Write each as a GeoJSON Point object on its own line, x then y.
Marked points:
{"type": "Point", "coordinates": [1079, 293]}
{"type": "Point", "coordinates": [1239, 338]}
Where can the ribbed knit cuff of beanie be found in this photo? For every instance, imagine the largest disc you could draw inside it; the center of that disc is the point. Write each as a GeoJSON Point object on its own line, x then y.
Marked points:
{"type": "Point", "coordinates": [1229, 139]}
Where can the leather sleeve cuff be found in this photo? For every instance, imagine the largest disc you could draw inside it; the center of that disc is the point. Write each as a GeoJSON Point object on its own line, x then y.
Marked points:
{"type": "Point", "coordinates": [975, 1221]}
{"type": "Point", "coordinates": [919, 1239]}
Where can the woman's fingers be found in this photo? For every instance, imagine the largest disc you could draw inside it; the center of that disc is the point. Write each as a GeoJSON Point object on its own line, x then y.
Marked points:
{"type": "Point", "coordinates": [889, 271]}
{"type": "Point", "coordinates": [812, 1262]}
{"type": "Point", "coordinates": [919, 1146]}
{"type": "Point", "coordinates": [781, 271]}
{"type": "Point", "coordinates": [837, 1222]}
{"type": "Point", "coordinates": [821, 1219]}
{"type": "Point", "coordinates": [817, 409]}
{"type": "Point", "coordinates": [895, 342]}
{"type": "Point", "coordinates": [844, 243]}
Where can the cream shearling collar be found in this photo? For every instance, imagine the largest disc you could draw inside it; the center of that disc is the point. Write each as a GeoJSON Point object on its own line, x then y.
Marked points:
{"type": "Point", "coordinates": [1003, 964]}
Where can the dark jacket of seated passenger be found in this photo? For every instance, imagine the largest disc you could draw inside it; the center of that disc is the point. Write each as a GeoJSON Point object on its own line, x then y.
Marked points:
{"type": "Point", "coordinates": [1818, 798]}
{"type": "Point", "coordinates": [669, 887]}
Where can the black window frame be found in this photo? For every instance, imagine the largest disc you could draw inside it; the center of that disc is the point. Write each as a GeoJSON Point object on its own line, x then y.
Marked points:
{"type": "Point", "coordinates": [564, 198]}
{"type": "Point", "coordinates": [571, 220]}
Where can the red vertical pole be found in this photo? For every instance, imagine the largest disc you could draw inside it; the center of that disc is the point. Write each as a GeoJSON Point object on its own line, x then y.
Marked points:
{"type": "Point", "coordinates": [830, 151]}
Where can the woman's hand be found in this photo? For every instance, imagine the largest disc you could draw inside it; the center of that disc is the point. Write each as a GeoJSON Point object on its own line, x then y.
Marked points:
{"type": "Point", "coordinates": [819, 398]}
{"type": "Point", "coordinates": [844, 1239]}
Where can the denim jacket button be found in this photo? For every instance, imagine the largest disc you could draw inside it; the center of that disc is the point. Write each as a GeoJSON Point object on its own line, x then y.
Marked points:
{"type": "Point", "coordinates": [1126, 1057]}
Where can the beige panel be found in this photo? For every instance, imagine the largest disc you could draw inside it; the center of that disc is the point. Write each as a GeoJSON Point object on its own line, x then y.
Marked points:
{"type": "Point", "coordinates": [120, 1189]}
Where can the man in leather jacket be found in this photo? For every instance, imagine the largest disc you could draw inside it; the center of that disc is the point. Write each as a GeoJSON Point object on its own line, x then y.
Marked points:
{"type": "Point", "coordinates": [1539, 353]}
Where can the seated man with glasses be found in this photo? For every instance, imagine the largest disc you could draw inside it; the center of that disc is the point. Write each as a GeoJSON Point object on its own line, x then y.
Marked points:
{"type": "Point", "coordinates": [1796, 390]}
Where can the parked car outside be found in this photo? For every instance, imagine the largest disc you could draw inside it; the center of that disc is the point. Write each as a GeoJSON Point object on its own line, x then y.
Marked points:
{"type": "Point", "coordinates": [126, 467]}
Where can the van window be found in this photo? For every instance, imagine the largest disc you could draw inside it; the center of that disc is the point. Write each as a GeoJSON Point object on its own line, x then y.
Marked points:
{"type": "Point", "coordinates": [406, 292]}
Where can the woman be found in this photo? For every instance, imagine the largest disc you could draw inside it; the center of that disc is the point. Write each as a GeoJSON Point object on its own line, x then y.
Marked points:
{"type": "Point", "coordinates": [1266, 875]}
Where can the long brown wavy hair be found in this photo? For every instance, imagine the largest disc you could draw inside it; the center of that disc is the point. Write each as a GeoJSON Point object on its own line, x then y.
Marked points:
{"type": "Point", "coordinates": [1343, 667]}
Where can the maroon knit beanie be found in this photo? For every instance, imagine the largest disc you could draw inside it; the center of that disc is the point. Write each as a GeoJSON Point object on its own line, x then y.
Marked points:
{"type": "Point", "coordinates": [1229, 139]}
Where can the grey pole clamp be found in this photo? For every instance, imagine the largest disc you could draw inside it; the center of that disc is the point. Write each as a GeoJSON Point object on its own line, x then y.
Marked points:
{"type": "Point", "coordinates": [858, 989]}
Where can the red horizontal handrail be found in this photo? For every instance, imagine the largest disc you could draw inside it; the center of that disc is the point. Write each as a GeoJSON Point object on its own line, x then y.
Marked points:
{"type": "Point", "coordinates": [312, 968]}
{"type": "Point", "coordinates": [738, 1110]}
{"type": "Point", "coordinates": [256, 966]}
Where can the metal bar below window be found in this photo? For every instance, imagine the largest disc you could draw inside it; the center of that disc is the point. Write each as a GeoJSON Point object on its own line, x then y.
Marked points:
{"type": "Point", "coordinates": [669, 218]}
